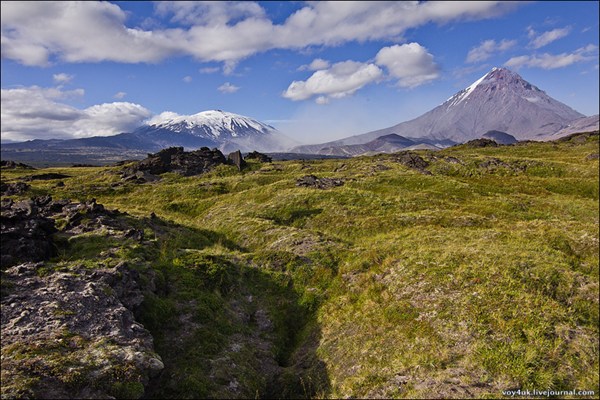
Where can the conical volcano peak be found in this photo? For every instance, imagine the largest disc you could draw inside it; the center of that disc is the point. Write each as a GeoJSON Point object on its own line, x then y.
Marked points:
{"type": "Point", "coordinates": [497, 80]}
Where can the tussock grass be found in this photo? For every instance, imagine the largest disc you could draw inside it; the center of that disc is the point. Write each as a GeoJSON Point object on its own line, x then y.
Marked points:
{"type": "Point", "coordinates": [463, 283]}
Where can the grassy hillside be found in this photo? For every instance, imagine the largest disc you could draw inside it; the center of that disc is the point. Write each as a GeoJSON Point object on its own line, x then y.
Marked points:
{"type": "Point", "coordinates": [475, 275]}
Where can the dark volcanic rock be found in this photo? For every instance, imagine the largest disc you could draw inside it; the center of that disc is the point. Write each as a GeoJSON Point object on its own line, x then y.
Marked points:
{"type": "Point", "coordinates": [481, 143]}
{"type": "Point", "coordinates": [83, 320]}
{"type": "Point", "coordinates": [8, 164]}
{"type": "Point", "coordinates": [413, 160]}
{"type": "Point", "coordinates": [237, 159]}
{"type": "Point", "coordinates": [27, 226]}
{"type": "Point", "coordinates": [70, 328]}
{"type": "Point", "coordinates": [45, 177]}
{"type": "Point", "coordinates": [319, 183]}
{"type": "Point", "coordinates": [175, 159]}
{"type": "Point", "coordinates": [255, 155]}
{"type": "Point", "coordinates": [10, 189]}
{"type": "Point", "coordinates": [26, 235]}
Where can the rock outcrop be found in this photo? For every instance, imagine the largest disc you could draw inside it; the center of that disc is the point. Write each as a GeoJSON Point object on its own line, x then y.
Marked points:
{"type": "Point", "coordinates": [255, 155]}
{"type": "Point", "coordinates": [25, 233]}
{"type": "Point", "coordinates": [319, 183]}
{"type": "Point", "coordinates": [175, 159]}
{"type": "Point", "coordinates": [9, 164]}
{"type": "Point", "coordinates": [68, 328]}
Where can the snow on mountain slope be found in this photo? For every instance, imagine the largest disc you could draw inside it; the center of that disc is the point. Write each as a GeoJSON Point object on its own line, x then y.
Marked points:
{"type": "Point", "coordinates": [213, 124]}
{"type": "Point", "coordinates": [500, 100]}
{"type": "Point", "coordinates": [226, 129]}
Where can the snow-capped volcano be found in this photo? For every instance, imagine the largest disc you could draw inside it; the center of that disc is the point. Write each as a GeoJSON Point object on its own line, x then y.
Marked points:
{"type": "Point", "coordinates": [500, 100]}
{"type": "Point", "coordinates": [213, 124]}
{"type": "Point", "coordinates": [216, 128]}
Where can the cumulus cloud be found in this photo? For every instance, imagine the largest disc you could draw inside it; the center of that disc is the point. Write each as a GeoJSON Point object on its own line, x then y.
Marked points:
{"type": "Point", "coordinates": [315, 65]}
{"type": "Point", "coordinates": [187, 79]}
{"type": "Point", "coordinates": [487, 48]}
{"type": "Point", "coordinates": [35, 112]}
{"type": "Point", "coordinates": [340, 80]}
{"type": "Point", "coordinates": [543, 39]}
{"type": "Point", "coordinates": [410, 63]}
{"type": "Point", "coordinates": [120, 95]}
{"type": "Point", "coordinates": [62, 78]}
{"type": "Point", "coordinates": [553, 61]}
{"type": "Point", "coordinates": [164, 116]}
{"type": "Point", "coordinates": [227, 87]}
{"type": "Point", "coordinates": [37, 33]}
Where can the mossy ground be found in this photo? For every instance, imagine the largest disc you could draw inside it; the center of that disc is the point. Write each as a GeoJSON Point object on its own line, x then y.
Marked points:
{"type": "Point", "coordinates": [479, 278]}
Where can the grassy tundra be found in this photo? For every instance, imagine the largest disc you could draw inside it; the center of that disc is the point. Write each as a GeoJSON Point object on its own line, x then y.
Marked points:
{"type": "Point", "coordinates": [477, 277]}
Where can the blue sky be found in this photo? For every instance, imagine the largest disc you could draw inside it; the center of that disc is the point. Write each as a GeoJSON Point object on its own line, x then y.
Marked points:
{"type": "Point", "coordinates": [316, 71]}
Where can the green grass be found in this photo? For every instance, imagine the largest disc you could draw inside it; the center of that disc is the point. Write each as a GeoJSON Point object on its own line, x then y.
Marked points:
{"type": "Point", "coordinates": [466, 282]}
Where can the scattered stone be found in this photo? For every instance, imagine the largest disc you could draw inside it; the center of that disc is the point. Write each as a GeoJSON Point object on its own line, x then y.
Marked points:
{"type": "Point", "coordinates": [11, 189]}
{"type": "Point", "coordinates": [493, 163]}
{"type": "Point", "coordinates": [452, 160]}
{"type": "Point", "coordinates": [319, 183]}
{"type": "Point", "coordinates": [255, 155]}
{"type": "Point", "coordinates": [237, 159]}
{"type": "Point", "coordinates": [8, 164]}
{"type": "Point", "coordinates": [593, 156]}
{"type": "Point", "coordinates": [412, 160]}
{"type": "Point", "coordinates": [45, 177]}
{"type": "Point", "coordinates": [28, 226]}
{"type": "Point", "coordinates": [83, 165]}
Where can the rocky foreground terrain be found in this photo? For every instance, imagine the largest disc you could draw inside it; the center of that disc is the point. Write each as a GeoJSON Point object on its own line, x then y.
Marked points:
{"type": "Point", "coordinates": [458, 273]}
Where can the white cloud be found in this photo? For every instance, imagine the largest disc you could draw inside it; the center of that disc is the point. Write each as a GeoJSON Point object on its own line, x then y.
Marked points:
{"type": "Point", "coordinates": [212, 13]}
{"type": "Point", "coordinates": [488, 48]}
{"type": "Point", "coordinates": [187, 79]}
{"type": "Point", "coordinates": [410, 63]}
{"type": "Point", "coordinates": [315, 65]}
{"type": "Point", "coordinates": [227, 87]}
{"type": "Point", "coordinates": [548, 37]}
{"type": "Point", "coordinates": [62, 78]}
{"type": "Point", "coordinates": [120, 95]}
{"type": "Point", "coordinates": [37, 33]}
{"type": "Point", "coordinates": [35, 112]}
{"type": "Point", "coordinates": [164, 116]}
{"type": "Point", "coordinates": [209, 70]}
{"type": "Point", "coordinates": [340, 80]}
{"type": "Point", "coordinates": [553, 61]}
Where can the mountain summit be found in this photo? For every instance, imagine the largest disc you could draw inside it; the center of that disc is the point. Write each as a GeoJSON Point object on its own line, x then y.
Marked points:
{"type": "Point", "coordinates": [226, 130]}
{"type": "Point", "coordinates": [211, 124]}
{"type": "Point", "coordinates": [500, 100]}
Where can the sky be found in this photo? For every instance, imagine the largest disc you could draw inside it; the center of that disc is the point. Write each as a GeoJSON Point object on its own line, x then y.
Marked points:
{"type": "Point", "coordinates": [317, 71]}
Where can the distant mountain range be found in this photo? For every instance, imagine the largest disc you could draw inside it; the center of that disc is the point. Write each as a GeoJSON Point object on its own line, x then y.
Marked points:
{"type": "Point", "coordinates": [214, 128]}
{"type": "Point", "coordinates": [500, 101]}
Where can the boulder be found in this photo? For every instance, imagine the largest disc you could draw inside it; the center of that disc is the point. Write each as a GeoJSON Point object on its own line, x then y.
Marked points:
{"type": "Point", "coordinates": [413, 161]}
{"type": "Point", "coordinates": [10, 189]}
{"type": "Point", "coordinates": [319, 183]}
{"type": "Point", "coordinates": [25, 234]}
{"type": "Point", "coordinates": [237, 159]}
